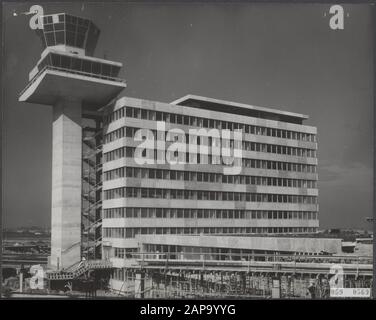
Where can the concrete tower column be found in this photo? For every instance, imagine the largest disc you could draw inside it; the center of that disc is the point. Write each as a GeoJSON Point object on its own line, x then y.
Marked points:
{"type": "Point", "coordinates": [66, 184]}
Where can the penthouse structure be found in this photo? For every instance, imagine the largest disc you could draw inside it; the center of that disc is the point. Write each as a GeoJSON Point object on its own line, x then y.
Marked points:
{"type": "Point", "coordinates": [275, 191]}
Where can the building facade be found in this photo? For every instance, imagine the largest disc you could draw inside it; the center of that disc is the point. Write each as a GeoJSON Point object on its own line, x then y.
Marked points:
{"type": "Point", "coordinates": [274, 193]}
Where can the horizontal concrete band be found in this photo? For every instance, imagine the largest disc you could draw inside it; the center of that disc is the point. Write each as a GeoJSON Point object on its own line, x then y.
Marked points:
{"type": "Point", "coordinates": [250, 243]}
{"type": "Point", "coordinates": [129, 162]}
{"type": "Point", "coordinates": [209, 114]}
{"type": "Point", "coordinates": [187, 185]}
{"type": "Point", "coordinates": [118, 263]}
{"type": "Point", "coordinates": [203, 100]}
{"type": "Point", "coordinates": [152, 125]}
{"type": "Point", "coordinates": [206, 223]}
{"type": "Point", "coordinates": [286, 244]}
{"type": "Point", "coordinates": [51, 84]}
{"type": "Point", "coordinates": [205, 204]}
{"type": "Point", "coordinates": [120, 243]}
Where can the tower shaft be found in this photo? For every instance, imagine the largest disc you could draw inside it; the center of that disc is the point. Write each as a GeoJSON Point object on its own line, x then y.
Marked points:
{"type": "Point", "coordinates": [66, 183]}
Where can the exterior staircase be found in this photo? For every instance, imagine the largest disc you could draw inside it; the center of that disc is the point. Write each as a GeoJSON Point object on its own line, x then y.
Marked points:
{"type": "Point", "coordinates": [78, 269]}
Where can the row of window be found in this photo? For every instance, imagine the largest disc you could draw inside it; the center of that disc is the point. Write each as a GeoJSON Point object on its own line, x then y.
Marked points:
{"type": "Point", "coordinates": [157, 193]}
{"type": "Point", "coordinates": [132, 232]}
{"type": "Point", "coordinates": [81, 65]}
{"type": "Point", "coordinates": [213, 253]}
{"type": "Point", "coordinates": [59, 33]}
{"type": "Point", "coordinates": [123, 274]}
{"type": "Point", "coordinates": [62, 17]}
{"type": "Point", "coordinates": [175, 118]}
{"type": "Point", "coordinates": [176, 252]}
{"type": "Point", "coordinates": [178, 213]}
{"type": "Point", "coordinates": [67, 30]}
{"type": "Point", "coordinates": [130, 132]}
{"type": "Point", "coordinates": [61, 36]}
{"type": "Point", "coordinates": [128, 152]}
{"type": "Point", "coordinates": [123, 253]}
{"type": "Point", "coordinates": [149, 173]}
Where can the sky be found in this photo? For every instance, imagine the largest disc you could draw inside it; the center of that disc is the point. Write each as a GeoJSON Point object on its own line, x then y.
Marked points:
{"type": "Point", "coordinates": [272, 55]}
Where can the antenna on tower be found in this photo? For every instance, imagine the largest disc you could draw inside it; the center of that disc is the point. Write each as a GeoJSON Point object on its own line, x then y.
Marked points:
{"type": "Point", "coordinates": [15, 14]}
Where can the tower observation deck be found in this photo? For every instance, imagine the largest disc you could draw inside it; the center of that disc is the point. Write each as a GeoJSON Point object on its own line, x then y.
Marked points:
{"type": "Point", "coordinates": [76, 84]}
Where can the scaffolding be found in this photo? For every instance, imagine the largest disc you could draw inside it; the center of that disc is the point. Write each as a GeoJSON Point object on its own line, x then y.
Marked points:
{"type": "Point", "coordinates": [288, 276]}
{"type": "Point", "coordinates": [188, 284]}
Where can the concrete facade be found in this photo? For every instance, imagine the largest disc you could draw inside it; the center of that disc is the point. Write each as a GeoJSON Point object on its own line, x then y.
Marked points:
{"type": "Point", "coordinates": [276, 191]}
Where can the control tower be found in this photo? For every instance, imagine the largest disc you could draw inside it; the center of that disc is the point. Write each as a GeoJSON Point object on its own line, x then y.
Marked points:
{"type": "Point", "coordinates": [76, 84]}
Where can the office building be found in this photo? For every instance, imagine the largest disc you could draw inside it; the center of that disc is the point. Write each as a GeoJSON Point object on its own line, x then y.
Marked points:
{"type": "Point", "coordinates": [274, 193]}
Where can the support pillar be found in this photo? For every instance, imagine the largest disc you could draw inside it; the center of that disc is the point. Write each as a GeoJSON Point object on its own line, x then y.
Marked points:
{"type": "Point", "coordinates": [276, 288]}
{"type": "Point", "coordinates": [139, 285]}
{"type": "Point", "coordinates": [21, 281]}
{"type": "Point", "coordinates": [66, 184]}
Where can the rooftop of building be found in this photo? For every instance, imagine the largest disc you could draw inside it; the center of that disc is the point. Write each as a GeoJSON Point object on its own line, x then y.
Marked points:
{"type": "Point", "coordinates": [207, 103]}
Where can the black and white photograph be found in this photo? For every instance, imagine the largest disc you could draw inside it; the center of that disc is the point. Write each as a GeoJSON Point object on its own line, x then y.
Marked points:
{"type": "Point", "coordinates": [187, 150]}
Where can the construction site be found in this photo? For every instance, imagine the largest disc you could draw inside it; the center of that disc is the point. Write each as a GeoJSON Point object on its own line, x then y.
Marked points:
{"type": "Point", "coordinates": [156, 275]}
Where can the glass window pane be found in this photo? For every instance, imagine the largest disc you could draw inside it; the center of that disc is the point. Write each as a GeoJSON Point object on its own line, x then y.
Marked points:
{"type": "Point", "coordinates": [96, 68]}
{"type": "Point", "coordinates": [106, 69]}
{"type": "Point", "coordinates": [86, 66]}
{"type": "Point", "coordinates": [114, 71]}
{"type": "Point", "coordinates": [59, 26]}
{"type": "Point", "coordinates": [55, 60]}
{"type": "Point", "coordinates": [50, 38]}
{"type": "Point", "coordinates": [70, 27]}
{"type": "Point", "coordinates": [80, 40]}
{"type": "Point", "coordinates": [65, 62]}
{"type": "Point", "coordinates": [76, 64]}
{"type": "Point", "coordinates": [59, 37]}
{"type": "Point", "coordinates": [81, 29]}
{"type": "Point", "coordinates": [48, 59]}
{"type": "Point", "coordinates": [70, 39]}
{"type": "Point", "coordinates": [48, 28]}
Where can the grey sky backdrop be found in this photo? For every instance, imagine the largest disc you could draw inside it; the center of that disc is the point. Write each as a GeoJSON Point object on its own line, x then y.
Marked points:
{"type": "Point", "coordinates": [284, 56]}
